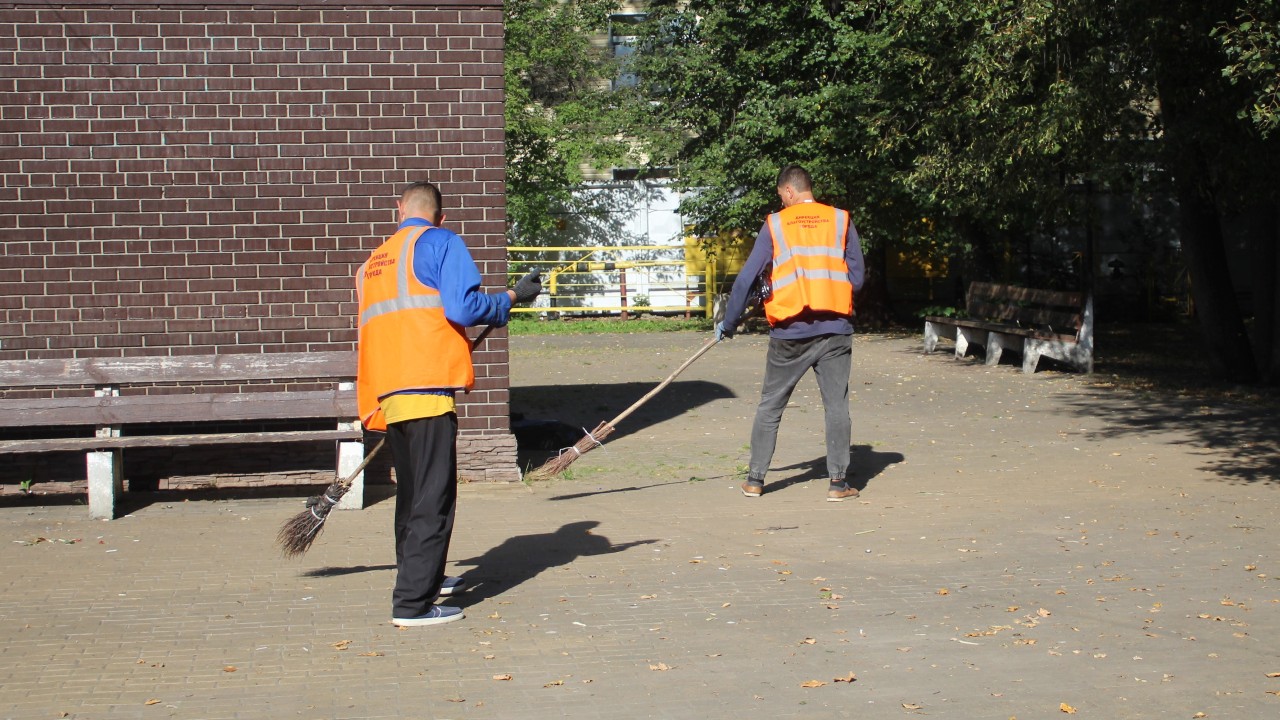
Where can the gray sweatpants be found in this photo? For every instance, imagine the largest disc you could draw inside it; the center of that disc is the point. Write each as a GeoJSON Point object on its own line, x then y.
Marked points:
{"type": "Point", "coordinates": [830, 357]}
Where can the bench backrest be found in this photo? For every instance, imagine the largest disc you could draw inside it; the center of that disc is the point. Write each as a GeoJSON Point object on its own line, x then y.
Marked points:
{"type": "Point", "coordinates": [88, 372]}
{"type": "Point", "coordinates": [1026, 307]}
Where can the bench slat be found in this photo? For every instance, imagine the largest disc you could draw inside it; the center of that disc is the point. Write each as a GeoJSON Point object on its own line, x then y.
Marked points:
{"type": "Point", "coordinates": [177, 368]}
{"type": "Point", "coordinates": [207, 407]}
{"type": "Point", "coordinates": [116, 443]}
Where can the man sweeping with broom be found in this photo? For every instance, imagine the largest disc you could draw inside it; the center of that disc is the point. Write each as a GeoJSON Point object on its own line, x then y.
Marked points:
{"type": "Point", "coordinates": [817, 266]}
{"type": "Point", "coordinates": [418, 292]}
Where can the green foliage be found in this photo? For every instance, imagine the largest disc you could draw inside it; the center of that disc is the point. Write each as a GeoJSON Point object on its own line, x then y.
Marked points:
{"type": "Point", "coordinates": [938, 311]}
{"type": "Point", "coordinates": [560, 113]}
{"type": "Point", "coordinates": [1251, 41]}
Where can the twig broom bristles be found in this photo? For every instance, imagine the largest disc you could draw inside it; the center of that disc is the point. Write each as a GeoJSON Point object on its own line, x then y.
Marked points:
{"type": "Point", "coordinates": [298, 532]}
{"type": "Point", "coordinates": [595, 438]}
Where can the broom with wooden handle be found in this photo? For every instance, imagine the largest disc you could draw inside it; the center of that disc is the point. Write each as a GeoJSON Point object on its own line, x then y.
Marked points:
{"type": "Point", "coordinates": [595, 438]}
{"type": "Point", "coordinates": [300, 531]}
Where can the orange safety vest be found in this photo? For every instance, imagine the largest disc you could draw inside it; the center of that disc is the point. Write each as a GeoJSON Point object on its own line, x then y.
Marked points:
{"type": "Point", "coordinates": [809, 268]}
{"type": "Point", "coordinates": [405, 341]}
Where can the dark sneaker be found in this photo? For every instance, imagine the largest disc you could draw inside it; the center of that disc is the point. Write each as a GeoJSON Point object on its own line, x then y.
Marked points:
{"type": "Point", "coordinates": [753, 488]}
{"type": "Point", "coordinates": [838, 493]}
{"type": "Point", "coordinates": [438, 615]}
{"type": "Point", "coordinates": [453, 586]}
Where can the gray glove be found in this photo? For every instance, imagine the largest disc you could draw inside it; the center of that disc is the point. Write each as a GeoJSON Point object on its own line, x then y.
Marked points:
{"type": "Point", "coordinates": [723, 331]}
{"type": "Point", "coordinates": [528, 287]}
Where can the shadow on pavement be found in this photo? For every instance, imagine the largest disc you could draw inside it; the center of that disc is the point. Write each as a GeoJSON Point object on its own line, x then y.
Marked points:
{"type": "Point", "coordinates": [865, 464]}
{"type": "Point", "coordinates": [559, 415]}
{"type": "Point", "coordinates": [1244, 437]}
{"type": "Point", "coordinates": [333, 571]}
{"type": "Point", "coordinates": [524, 557]}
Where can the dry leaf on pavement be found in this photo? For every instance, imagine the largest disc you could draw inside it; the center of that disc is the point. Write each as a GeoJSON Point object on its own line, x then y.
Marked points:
{"type": "Point", "coordinates": [660, 667]}
{"type": "Point", "coordinates": [812, 684]}
{"type": "Point", "coordinates": [502, 677]}
{"type": "Point", "coordinates": [911, 706]}
{"type": "Point", "coordinates": [341, 644]}
{"type": "Point", "coordinates": [229, 668]}
{"type": "Point", "coordinates": [1067, 709]}
{"type": "Point", "coordinates": [846, 679]}
{"type": "Point", "coordinates": [152, 701]}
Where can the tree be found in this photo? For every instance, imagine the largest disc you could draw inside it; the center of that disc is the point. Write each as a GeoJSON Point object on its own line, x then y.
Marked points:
{"type": "Point", "coordinates": [560, 114]}
{"type": "Point", "coordinates": [979, 116]}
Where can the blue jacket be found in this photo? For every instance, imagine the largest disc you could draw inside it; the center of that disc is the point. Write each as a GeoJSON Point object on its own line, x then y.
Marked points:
{"type": "Point", "coordinates": [441, 260]}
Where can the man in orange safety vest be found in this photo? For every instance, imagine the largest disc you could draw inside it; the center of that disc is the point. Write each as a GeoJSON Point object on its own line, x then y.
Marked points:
{"type": "Point", "coordinates": [817, 267]}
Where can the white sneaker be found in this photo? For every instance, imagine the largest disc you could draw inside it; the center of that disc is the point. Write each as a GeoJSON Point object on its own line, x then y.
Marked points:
{"type": "Point", "coordinates": [438, 615]}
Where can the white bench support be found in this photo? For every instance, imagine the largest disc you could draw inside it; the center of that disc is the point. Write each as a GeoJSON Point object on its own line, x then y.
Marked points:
{"type": "Point", "coordinates": [105, 469]}
{"type": "Point", "coordinates": [350, 455]}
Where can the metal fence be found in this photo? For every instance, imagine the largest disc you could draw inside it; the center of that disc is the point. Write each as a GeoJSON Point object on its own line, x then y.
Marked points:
{"type": "Point", "coordinates": [660, 279]}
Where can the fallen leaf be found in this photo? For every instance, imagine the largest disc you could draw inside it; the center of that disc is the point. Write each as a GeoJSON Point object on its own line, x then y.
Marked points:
{"type": "Point", "coordinates": [489, 657]}
{"type": "Point", "coordinates": [1199, 715]}
{"type": "Point", "coordinates": [553, 683]}
{"type": "Point", "coordinates": [847, 679]}
{"type": "Point", "coordinates": [152, 701]}
{"type": "Point", "coordinates": [725, 605]}
{"type": "Point", "coordinates": [808, 641]}
{"type": "Point", "coordinates": [1011, 608]}
{"type": "Point", "coordinates": [371, 653]}
{"type": "Point", "coordinates": [812, 684]}
{"type": "Point", "coordinates": [648, 597]}
{"type": "Point", "coordinates": [1067, 709]}
{"type": "Point", "coordinates": [455, 699]}
{"type": "Point", "coordinates": [1043, 613]}
{"type": "Point", "coordinates": [911, 706]}
{"type": "Point", "coordinates": [229, 668]}
{"type": "Point", "coordinates": [660, 667]}
{"type": "Point", "coordinates": [501, 677]}
{"type": "Point", "coordinates": [341, 644]}
{"type": "Point", "coordinates": [495, 616]}
{"type": "Point", "coordinates": [943, 591]}
{"type": "Point", "coordinates": [1273, 675]}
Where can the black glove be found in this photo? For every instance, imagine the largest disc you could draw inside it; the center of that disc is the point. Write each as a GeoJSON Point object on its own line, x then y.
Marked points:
{"type": "Point", "coordinates": [528, 287]}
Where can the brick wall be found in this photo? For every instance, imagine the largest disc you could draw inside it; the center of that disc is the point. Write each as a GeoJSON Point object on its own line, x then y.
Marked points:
{"type": "Point", "coordinates": [182, 178]}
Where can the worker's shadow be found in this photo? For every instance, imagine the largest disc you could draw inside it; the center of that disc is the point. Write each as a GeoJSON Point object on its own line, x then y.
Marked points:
{"type": "Point", "coordinates": [524, 557]}
{"type": "Point", "coordinates": [865, 464]}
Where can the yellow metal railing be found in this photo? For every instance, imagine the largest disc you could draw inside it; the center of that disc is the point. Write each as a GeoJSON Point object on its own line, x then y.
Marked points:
{"type": "Point", "coordinates": [619, 280]}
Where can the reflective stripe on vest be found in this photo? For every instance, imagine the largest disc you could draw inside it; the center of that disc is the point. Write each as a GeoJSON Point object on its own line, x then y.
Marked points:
{"type": "Point", "coordinates": [403, 300]}
{"type": "Point", "coordinates": [786, 252]}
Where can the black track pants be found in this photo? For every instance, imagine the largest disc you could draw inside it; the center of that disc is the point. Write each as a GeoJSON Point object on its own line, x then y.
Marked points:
{"type": "Point", "coordinates": [425, 455]}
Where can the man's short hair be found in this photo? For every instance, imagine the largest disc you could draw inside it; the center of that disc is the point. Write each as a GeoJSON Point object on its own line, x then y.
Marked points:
{"type": "Point", "coordinates": [797, 177]}
{"type": "Point", "coordinates": [422, 196]}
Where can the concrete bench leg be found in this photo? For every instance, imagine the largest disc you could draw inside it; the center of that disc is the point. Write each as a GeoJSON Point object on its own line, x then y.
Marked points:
{"type": "Point", "coordinates": [997, 343]}
{"type": "Point", "coordinates": [350, 455]}
{"type": "Point", "coordinates": [106, 482]}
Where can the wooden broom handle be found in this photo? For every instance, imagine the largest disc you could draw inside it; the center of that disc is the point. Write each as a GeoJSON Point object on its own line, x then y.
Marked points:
{"type": "Point", "coordinates": [702, 351]}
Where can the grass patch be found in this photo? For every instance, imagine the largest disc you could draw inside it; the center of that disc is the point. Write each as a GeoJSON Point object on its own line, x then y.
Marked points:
{"type": "Point", "coordinates": [521, 325]}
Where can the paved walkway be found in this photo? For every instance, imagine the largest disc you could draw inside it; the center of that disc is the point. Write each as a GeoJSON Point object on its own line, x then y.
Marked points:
{"type": "Point", "coordinates": [1024, 547]}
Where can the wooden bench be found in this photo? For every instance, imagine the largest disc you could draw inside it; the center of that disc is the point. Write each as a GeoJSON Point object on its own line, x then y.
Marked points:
{"type": "Point", "coordinates": [94, 404]}
{"type": "Point", "coordinates": [1035, 323]}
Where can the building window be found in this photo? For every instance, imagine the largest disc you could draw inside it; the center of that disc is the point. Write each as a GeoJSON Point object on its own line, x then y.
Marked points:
{"type": "Point", "coordinates": [622, 44]}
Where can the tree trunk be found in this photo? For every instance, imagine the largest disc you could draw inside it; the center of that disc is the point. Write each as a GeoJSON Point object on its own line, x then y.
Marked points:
{"type": "Point", "coordinates": [1266, 299]}
{"type": "Point", "coordinates": [1216, 306]}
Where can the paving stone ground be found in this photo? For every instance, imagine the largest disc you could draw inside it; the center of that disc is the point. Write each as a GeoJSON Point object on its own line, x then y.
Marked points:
{"type": "Point", "coordinates": [1024, 546]}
